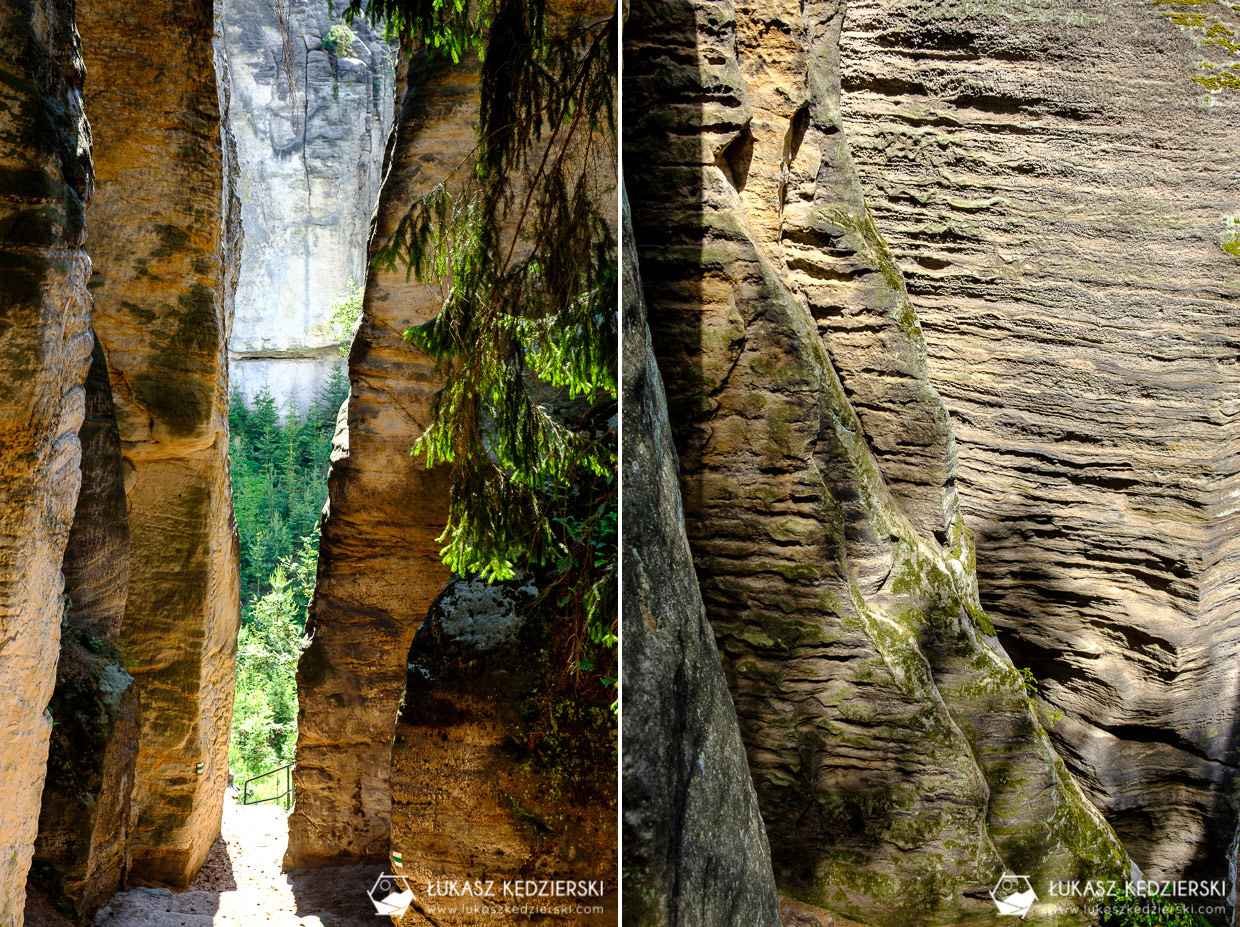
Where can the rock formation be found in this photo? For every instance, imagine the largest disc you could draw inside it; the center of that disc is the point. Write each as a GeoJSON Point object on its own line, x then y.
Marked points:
{"type": "Point", "coordinates": [162, 250]}
{"type": "Point", "coordinates": [469, 796]}
{"type": "Point", "coordinates": [898, 762]}
{"type": "Point", "coordinates": [45, 344]}
{"type": "Point", "coordinates": [695, 849]}
{"type": "Point", "coordinates": [1057, 181]}
{"type": "Point", "coordinates": [379, 567]}
{"type": "Point", "coordinates": [310, 143]}
{"type": "Point", "coordinates": [82, 850]}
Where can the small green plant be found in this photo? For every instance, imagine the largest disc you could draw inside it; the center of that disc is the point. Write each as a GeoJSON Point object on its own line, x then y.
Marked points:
{"type": "Point", "coordinates": [338, 43]}
{"type": "Point", "coordinates": [347, 316]}
{"type": "Point", "coordinates": [1030, 681]}
{"type": "Point", "coordinates": [1048, 717]}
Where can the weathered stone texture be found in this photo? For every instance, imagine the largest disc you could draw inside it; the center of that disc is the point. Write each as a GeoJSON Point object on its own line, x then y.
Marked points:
{"type": "Point", "coordinates": [469, 798]}
{"type": "Point", "coordinates": [161, 291]}
{"type": "Point", "coordinates": [310, 169]}
{"type": "Point", "coordinates": [81, 855]}
{"type": "Point", "coordinates": [82, 850]}
{"type": "Point", "coordinates": [898, 763]}
{"type": "Point", "coordinates": [1058, 182]}
{"type": "Point", "coordinates": [45, 343]}
{"type": "Point", "coordinates": [695, 848]}
{"type": "Point", "coordinates": [379, 567]}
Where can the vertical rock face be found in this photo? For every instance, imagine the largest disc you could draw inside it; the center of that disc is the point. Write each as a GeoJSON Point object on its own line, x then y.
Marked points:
{"type": "Point", "coordinates": [82, 850]}
{"type": "Point", "coordinates": [898, 762]}
{"type": "Point", "coordinates": [695, 849]}
{"type": "Point", "coordinates": [96, 565]}
{"type": "Point", "coordinates": [469, 797]}
{"type": "Point", "coordinates": [45, 343]}
{"type": "Point", "coordinates": [1058, 183]}
{"type": "Point", "coordinates": [159, 244]}
{"type": "Point", "coordinates": [379, 566]}
{"type": "Point", "coordinates": [310, 143]}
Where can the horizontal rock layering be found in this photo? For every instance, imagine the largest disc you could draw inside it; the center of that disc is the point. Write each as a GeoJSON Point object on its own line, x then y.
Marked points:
{"type": "Point", "coordinates": [898, 763]}
{"type": "Point", "coordinates": [1058, 182]}
{"type": "Point", "coordinates": [695, 848]}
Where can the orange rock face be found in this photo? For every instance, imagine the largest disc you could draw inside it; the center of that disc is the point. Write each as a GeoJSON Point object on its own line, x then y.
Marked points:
{"type": "Point", "coordinates": [162, 313]}
{"type": "Point", "coordinates": [45, 343]}
{"type": "Point", "coordinates": [379, 566]}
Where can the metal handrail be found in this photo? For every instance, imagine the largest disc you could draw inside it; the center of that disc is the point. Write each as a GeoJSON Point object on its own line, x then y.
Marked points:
{"type": "Point", "coordinates": [284, 798]}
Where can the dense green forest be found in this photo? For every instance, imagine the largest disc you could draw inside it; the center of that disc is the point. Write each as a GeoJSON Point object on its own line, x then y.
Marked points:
{"type": "Point", "coordinates": [279, 462]}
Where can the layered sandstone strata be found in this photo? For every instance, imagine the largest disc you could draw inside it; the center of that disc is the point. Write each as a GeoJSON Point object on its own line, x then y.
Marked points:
{"type": "Point", "coordinates": [161, 250]}
{"type": "Point", "coordinates": [1058, 183]}
{"type": "Point", "coordinates": [82, 851]}
{"type": "Point", "coordinates": [899, 765]}
{"type": "Point", "coordinates": [379, 567]}
{"type": "Point", "coordinates": [45, 344]}
{"type": "Point", "coordinates": [695, 848]}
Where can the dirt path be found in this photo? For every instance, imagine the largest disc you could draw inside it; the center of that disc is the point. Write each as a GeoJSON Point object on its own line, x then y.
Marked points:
{"type": "Point", "coordinates": [241, 885]}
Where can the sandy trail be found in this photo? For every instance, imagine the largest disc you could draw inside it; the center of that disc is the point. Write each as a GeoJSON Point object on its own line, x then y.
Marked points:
{"type": "Point", "coordinates": [241, 885]}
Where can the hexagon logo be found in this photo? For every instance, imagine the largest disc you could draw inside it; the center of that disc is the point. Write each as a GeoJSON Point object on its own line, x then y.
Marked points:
{"type": "Point", "coordinates": [391, 894]}
{"type": "Point", "coordinates": [1013, 895]}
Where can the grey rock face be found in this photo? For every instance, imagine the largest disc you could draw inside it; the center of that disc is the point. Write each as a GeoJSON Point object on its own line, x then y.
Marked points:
{"type": "Point", "coordinates": [1058, 183]}
{"type": "Point", "coordinates": [45, 343]}
{"type": "Point", "coordinates": [310, 147]}
{"type": "Point", "coordinates": [695, 848]}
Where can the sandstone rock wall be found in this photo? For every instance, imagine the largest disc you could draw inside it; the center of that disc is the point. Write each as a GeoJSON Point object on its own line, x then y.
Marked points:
{"type": "Point", "coordinates": [160, 247]}
{"type": "Point", "coordinates": [379, 566]}
{"type": "Point", "coordinates": [45, 344]}
{"type": "Point", "coordinates": [469, 796]}
{"type": "Point", "coordinates": [898, 763]}
{"type": "Point", "coordinates": [310, 143]}
{"type": "Point", "coordinates": [1057, 181]}
{"type": "Point", "coordinates": [82, 850]}
{"type": "Point", "coordinates": [695, 848]}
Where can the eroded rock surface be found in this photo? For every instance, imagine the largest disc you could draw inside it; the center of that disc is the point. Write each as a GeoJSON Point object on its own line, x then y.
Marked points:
{"type": "Point", "coordinates": [160, 247]}
{"type": "Point", "coordinates": [695, 848]}
{"type": "Point", "coordinates": [470, 797]}
{"type": "Point", "coordinates": [1057, 180]}
{"type": "Point", "coordinates": [82, 851]}
{"type": "Point", "coordinates": [45, 344]}
{"type": "Point", "coordinates": [310, 142]}
{"type": "Point", "coordinates": [379, 567]}
{"type": "Point", "coordinates": [898, 763]}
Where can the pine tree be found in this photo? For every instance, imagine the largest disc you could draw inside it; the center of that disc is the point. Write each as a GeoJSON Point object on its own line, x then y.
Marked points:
{"type": "Point", "coordinates": [527, 336]}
